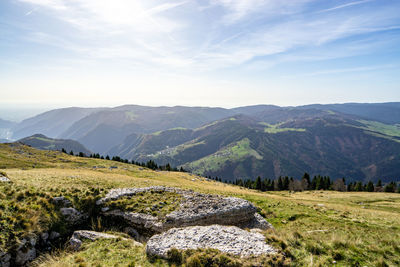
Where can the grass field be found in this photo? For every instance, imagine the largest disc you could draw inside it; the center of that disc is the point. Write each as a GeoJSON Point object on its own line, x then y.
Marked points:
{"type": "Point", "coordinates": [276, 128]}
{"type": "Point", "coordinates": [391, 132]}
{"type": "Point", "coordinates": [235, 152]}
{"type": "Point", "coordinates": [313, 228]}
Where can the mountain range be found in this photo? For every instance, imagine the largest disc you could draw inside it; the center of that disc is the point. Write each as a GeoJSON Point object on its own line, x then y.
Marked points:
{"type": "Point", "coordinates": [353, 140]}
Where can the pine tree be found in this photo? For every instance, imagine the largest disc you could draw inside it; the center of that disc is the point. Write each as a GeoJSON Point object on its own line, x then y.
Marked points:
{"type": "Point", "coordinates": [390, 187]}
{"type": "Point", "coordinates": [258, 185]}
{"type": "Point", "coordinates": [168, 167]}
{"type": "Point", "coordinates": [358, 187]}
{"type": "Point", "coordinates": [370, 187]}
{"type": "Point", "coordinates": [286, 183]}
{"type": "Point", "coordinates": [71, 153]}
{"type": "Point", "coordinates": [305, 181]}
{"type": "Point", "coordinates": [280, 184]}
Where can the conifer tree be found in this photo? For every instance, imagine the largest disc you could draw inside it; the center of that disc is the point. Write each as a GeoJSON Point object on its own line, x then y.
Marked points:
{"type": "Point", "coordinates": [370, 187]}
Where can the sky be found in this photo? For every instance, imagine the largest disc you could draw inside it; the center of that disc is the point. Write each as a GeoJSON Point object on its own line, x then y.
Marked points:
{"type": "Point", "coordinates": [228, 53]}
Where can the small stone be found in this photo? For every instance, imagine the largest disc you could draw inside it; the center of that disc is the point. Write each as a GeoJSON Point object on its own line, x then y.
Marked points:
{"type": "Point", "coordinates": [54, 235]}
{"type": "Point", "coordinates": [4, 179]}
{"type": "Point", "coordinates": [26, 251]}
{"type": "Point", "coordinates": [44, 236]}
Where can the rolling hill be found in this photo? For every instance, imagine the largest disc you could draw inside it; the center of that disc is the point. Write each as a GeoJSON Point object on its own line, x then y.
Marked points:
{"type": "Point", "coordinates": [242, 147]}
{"type": "Point", "coordinates": [43, 142]}
{"type": "Point", "coordinates": [103, 130]}
{"type": "Point", "coordinates": [358, 141]}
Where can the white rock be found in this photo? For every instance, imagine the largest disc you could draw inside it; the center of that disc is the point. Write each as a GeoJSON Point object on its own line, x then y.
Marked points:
{"type": "Point", "coordinates": [228, 239]}
{"type": "Point", "coordinates": [194, 209]}
{"type": "Point", "coordinates": [4, 179]}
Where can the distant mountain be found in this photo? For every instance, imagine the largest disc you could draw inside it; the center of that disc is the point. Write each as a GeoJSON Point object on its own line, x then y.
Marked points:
{"type": "Point", "coordinates": [105, 129]}
{"type": "Point", "coordinates": [43, 142]}
{"type": "Point", "coordinates": [51, 123]}
{"type": "Point", "coordinates": [6, 124]}
{"type": "Point", "coordinates": [358, 141]}
{"type": "Point", "coordinates": [382, 112]}
{"type": "Point", "coordinates": [242, 147]}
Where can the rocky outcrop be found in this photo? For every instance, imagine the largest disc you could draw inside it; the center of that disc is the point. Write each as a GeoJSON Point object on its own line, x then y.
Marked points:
{"type": "Point", "coordinates": [78, 236]}
{"type": "Point", "coordinates": [118, 193]}
{"type": "Point", "coordinates": [194, 209]}
{"type": "Point", "coordinates": [228, 239]}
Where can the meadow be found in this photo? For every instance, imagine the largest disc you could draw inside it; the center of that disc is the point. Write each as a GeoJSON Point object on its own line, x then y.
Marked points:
{"type": "Point", "coordinates": [312, 228]}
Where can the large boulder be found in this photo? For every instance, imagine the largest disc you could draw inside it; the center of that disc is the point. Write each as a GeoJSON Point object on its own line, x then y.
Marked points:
{"type": "Point", "coordinates": [228, 239]}
{"type": "Point", "coordinates": [194, 209]}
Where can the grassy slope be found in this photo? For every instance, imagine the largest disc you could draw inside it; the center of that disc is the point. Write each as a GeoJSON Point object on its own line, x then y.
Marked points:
{"type": "Point", "coordinates": [314, 228]}
{"type": "Point", "coordinates": [391, 132]}
{"type": "Point", "coordinates": [234, 152]}
{"type": "Point", "coordinates": [276, 128]}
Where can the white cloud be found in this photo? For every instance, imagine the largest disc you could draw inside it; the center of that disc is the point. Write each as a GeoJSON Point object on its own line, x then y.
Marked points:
{"type": "Point", "coordinates": [148, 32]}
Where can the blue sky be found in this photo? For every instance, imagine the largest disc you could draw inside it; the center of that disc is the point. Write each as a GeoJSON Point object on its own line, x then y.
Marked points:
{"type": "Point", "coordinates": [208, 53]}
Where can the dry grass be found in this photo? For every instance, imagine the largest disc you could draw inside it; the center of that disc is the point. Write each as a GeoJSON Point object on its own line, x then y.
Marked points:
{"type": "Point", "coordinates": [316, 228]}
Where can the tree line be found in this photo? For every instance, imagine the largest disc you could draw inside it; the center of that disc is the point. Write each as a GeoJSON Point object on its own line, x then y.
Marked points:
{"type": "Point", "coordinates": [318, 182]}
{"type": "Point", "coordinates": [149, 164]}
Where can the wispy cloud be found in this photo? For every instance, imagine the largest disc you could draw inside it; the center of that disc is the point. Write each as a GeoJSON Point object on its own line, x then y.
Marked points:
{"type": "Point", "coordinates": [148, 32]}
{"type": "Point", "coordinates": [31, 11]}
{"type": "Point", "coordinates": [355, 3]}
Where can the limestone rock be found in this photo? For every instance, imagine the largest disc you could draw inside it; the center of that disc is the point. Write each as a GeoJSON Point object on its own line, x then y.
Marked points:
{"type": "Point", "coordinates": [73, 216]}
{"type": "Point", "coordinates": [140, 220]}
{"type": "Point", "coordinates": [78, 236]}
{"type": "Point", "coordinates": [228, 239]}
{"type": "Point", "coordinates": [258, 222]}
{"type": "Point", "coordinates": [194, 209]}
{"type": "Point", "coordinates": [62, 202]}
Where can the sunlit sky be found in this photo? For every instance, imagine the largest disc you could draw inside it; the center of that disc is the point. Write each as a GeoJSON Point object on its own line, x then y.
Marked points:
{"type": "Point", "coordinates": [208, 52]}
